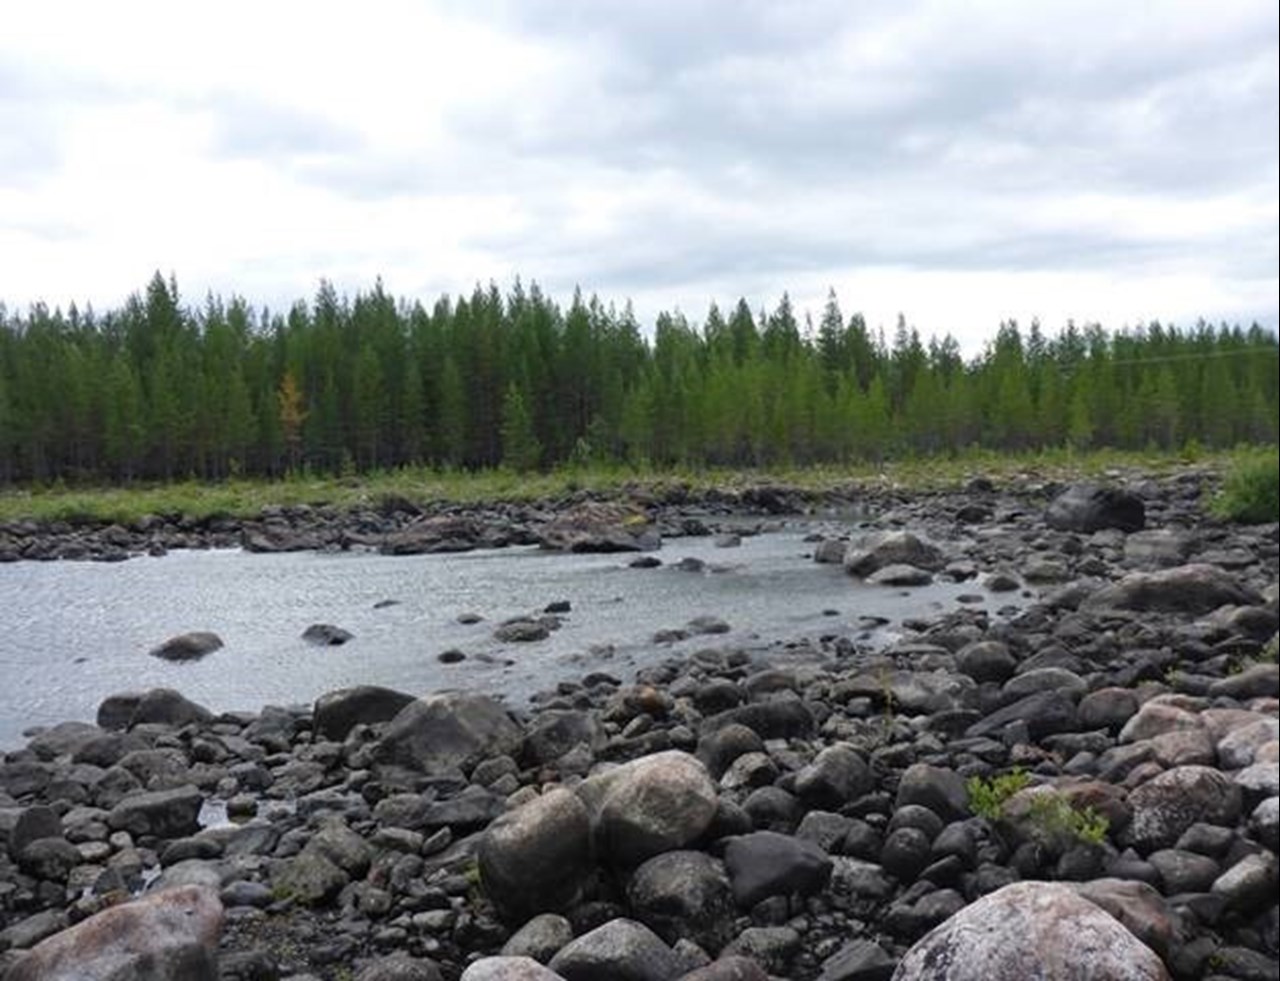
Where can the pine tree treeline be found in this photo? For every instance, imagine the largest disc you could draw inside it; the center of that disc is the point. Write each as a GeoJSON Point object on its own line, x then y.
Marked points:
{"type": "Point", "coordinates": [156, 390]}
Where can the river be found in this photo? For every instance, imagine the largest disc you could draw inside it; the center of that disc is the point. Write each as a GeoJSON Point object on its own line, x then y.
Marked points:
{"type": "Point", "coordinates": [72, 633]}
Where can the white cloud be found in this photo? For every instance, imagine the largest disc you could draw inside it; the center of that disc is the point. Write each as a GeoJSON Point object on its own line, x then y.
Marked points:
{"type": "Point", "coordinates": [960, 163]}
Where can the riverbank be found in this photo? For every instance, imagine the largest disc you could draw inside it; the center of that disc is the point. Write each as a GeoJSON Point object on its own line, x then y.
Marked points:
{"type": "Point", "coordinates": [812, 811]}
{"type": "Point", "coordinates": [426, 488]}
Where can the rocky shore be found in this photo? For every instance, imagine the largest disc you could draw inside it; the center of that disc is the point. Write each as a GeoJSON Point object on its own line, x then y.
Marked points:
{"type": "Point", "coordinates": [1087, 788]}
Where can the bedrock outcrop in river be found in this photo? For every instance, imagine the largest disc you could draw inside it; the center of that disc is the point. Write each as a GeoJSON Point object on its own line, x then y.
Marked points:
{"type": "Point", "coordinates": [599, 526]}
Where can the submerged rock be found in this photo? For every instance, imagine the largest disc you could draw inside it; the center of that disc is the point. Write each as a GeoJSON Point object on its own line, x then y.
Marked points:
{"type": "Point", "coordinates": [188, 647]}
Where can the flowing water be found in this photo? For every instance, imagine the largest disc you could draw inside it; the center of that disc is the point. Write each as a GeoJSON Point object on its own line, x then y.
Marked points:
{"type": "Point", "coordinates": [72, 633]}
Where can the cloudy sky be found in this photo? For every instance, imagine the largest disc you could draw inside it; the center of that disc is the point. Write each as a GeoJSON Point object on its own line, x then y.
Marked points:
{"type": "Point", "coordinates": [959, 162]}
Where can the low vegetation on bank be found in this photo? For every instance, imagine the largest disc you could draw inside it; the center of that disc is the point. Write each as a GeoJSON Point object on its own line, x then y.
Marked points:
{"type": "Point", "coordinates": [1244, 497]}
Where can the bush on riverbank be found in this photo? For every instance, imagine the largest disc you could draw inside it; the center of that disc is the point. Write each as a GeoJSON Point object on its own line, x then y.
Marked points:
{"type": "Point", "coordinates": [1251, 491]}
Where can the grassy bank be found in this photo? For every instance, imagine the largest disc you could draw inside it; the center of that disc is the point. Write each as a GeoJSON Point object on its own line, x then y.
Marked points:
{"type": "Point", "coordinates": [247, 497]}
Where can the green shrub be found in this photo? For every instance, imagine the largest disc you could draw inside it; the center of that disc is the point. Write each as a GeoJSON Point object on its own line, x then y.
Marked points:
{"type": "Point", "coordinates": [987, 796]}
{"type": "Point", "coordinates": [1053, 815]}
{"type": "Point", "coordinates": [1251, 491]}
{"type": "Point", "coordinates": [1050, 815]}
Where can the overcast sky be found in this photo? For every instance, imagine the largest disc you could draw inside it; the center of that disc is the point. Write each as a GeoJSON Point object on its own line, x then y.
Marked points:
{"type": "Point", "coordinates": [960, 162]}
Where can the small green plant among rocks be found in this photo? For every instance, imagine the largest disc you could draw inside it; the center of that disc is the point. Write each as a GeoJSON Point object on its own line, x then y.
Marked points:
{"type": "Point", "coordinates": [1051, 815]}
{"type": "Point", "coordinates": [1056, 818]}
{"type": "Point", "coordinates": [987, 796]}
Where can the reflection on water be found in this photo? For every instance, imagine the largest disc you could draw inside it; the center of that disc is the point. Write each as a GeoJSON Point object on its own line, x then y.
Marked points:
{"type": "Point", "coordinates": [73, 632]}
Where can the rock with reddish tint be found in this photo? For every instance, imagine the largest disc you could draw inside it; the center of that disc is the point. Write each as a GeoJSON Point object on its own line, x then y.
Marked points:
{"type": "Point", "coordinates": [169, 935]}
{"type": "Point", "coordinates": [1041, 930]}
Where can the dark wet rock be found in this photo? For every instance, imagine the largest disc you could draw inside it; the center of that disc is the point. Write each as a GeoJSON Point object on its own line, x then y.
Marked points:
{"type": "Point", "coordinates": [858, 960]}
{"type": "Point", "coordinates": [1087, 508]}
{"type": "Point", "coordinates": [188, 647]}
{"type": "Point", "coordinates": [540, 938]}
{"type": "Point", "coordinates": [308, 878]}
{"type": "Point", "coordinates": [830, 552]}
{"type": "Point", "coordinates": [1107, 708]}
{"type": "Point", "coordinates": [707, 624]}
{"type": "Point", "coordinates": [162, 936]}
{"type": "Point", "coordinates": [765, 863]}
{"type": "Point", "coordinates": [438, 533]}
{"type": "Point", "coordinates": [452, 729]}
{"type": "Point", "coordinates": [400, 967]}
{"type": "Point", "coordinates": [881, 549]}
{"type": "Point", "coordinates": [1044, 713]}
{"type": "Point", "coordinates": [163, 813]}
{"type": "Point", "coordinates": [600, 527]}
{"type": "Point", "coordinates": [780, 718]}
{"type": "Point", "coordinates": [337, 712]}
{"type": "Point", "coordinates": [326, 635]}
{"type": "Point", "coordinates": [1249, 883]}
{"type": "Point", "coordinates": [522, 631]}
{"type": "Point", "coordinates": [836, 776]}
{"type": "Point", "coordinates": [537, 857]}
{"type": "Point", "coordinates": [158, 705]}
{"type": "Point", "coordinates": [1031, 930]}
{"type": "Point", "coordinates": [939, 789]}
{"type": "Point", "coordinates": [1197, 588]}
{"type": "Point", "coordinates": [986, 660]}
{"type": "Point", "coordinates": [556, 732]}
{"type": "Point", "coordinates": [719, 748]}
{"type": "Point", "coordinates": [905, 853]}
{"type": "Point", "coordinates": [1256, 681]}
{"type": "Point", "coordinates": [31, 824]}
{"type": "Point", "coordinates": [620, 950]}
{"type": "Point", "coordinates": [64, 739]}
{"type": "Point", "coordinates": [683, 894]}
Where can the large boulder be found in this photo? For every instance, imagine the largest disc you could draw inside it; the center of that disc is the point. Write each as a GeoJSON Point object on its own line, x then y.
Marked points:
{"type": "Point", "coordinates": [188, 647]}
{"type": "Point", "coordinates": [684, 895]}
{"type": "Point", "coordinates": [170, 935]}
{"type": "Point", "coordinates": [441, 533]}
{"type": "Point", "coordinates": [1197, 588]}
{"type": "Point", "coordinates": [163, 813]}
{"type": "Point", "coordinates": [621, 950]}
{"type": "Point", "coordinates": [765, 863]}
{"type": "Point", "coordinates": [1170, 803]}
{"type": "Point", "coordinates": [1087, 508]}
{"type": "Point", "coordinates": [537, 857]}
{"type": "Point", "coordinates": [882, 549]}
{"type": "Point", "coordinates": [655, 804]}
{"type": "Point", "coordinates": [336, 712]}
{"type": "Point", "coordinates": [600, 527]}
{"type": "Point", "coordinates": [447, 731]}
{"type": "Point", "coordinates": [1041, 930]}
{"type": "Point", "coordinates": [167, 707]}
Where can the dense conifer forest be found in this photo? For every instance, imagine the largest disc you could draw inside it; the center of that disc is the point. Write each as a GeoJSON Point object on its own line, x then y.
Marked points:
{"type": "Point", "coordinates": [159, 390]}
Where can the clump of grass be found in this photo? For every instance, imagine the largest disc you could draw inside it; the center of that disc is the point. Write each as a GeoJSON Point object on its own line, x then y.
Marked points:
{"type": "Point", "coordinates": [1251, 490]}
